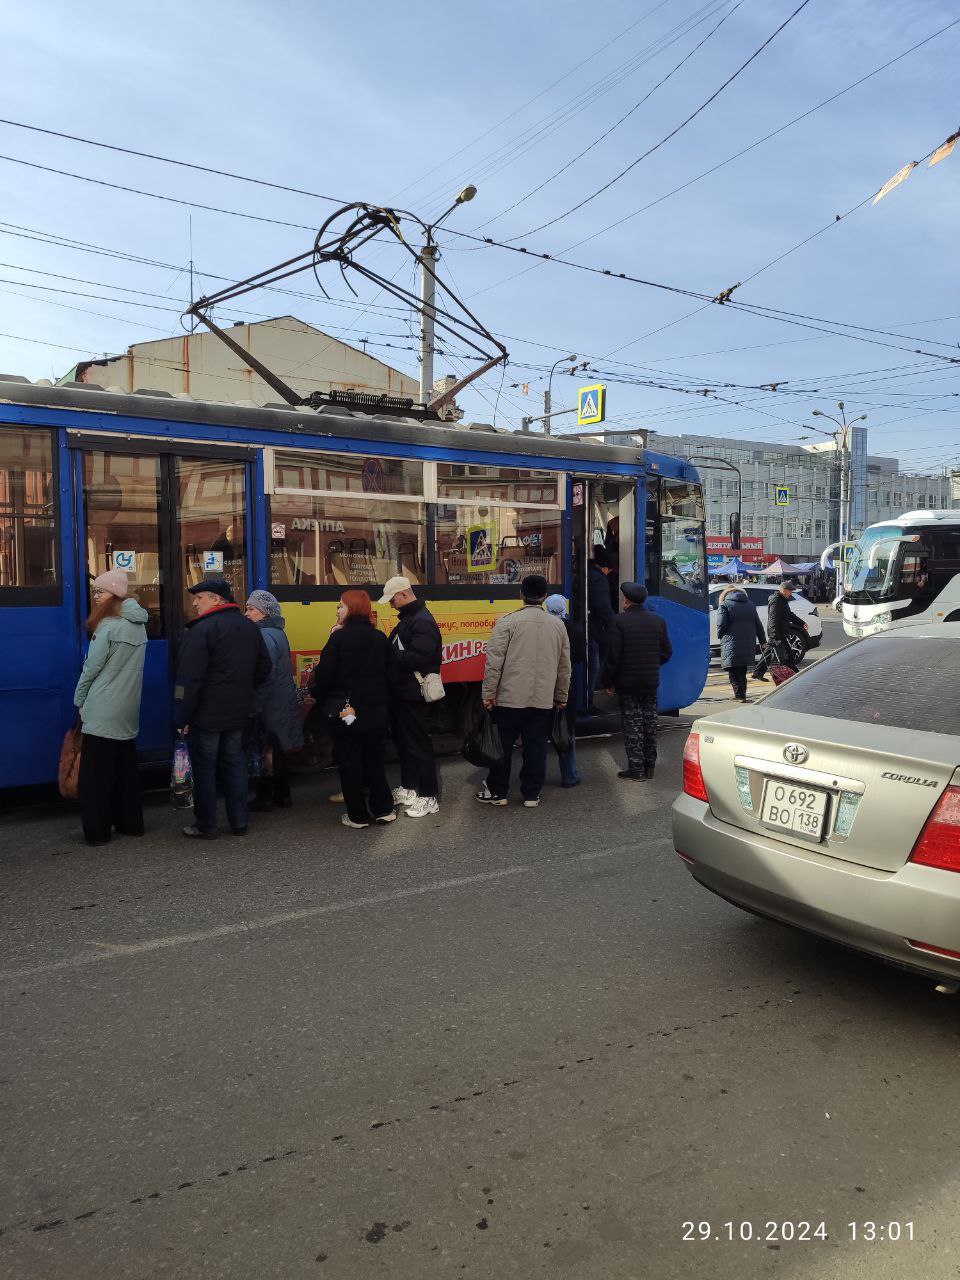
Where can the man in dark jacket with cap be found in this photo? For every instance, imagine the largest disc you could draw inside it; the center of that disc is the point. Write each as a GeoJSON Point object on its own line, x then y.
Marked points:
{"type": "Point", "coordinates": [600, 616]}
{"type": "Point", "coordinates": [781, 621]}
{"type": "Point", "coordinates": [638, 645]}
{"type": "Point", "coordinates": [222, 659]}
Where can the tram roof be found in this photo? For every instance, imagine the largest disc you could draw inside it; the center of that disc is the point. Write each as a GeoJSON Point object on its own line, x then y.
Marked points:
{"type": "Point", "coordinates": [334, 420]}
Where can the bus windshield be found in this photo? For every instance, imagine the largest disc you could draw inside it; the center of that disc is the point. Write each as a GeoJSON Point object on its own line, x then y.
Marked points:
{"type": "Point", "coordinates": [869, 583]}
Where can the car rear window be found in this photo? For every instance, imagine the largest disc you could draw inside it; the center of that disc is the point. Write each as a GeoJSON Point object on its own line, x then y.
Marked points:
{"type": "Point", "coordinates": [909, 682]}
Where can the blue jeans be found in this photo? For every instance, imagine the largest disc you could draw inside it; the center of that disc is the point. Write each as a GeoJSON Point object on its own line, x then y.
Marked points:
{"type": "Point", "coordinates": [532, 726]}
{"type": "Point", "coordinates": [216, 754]}
{"type": "Point", "coordinates": [569, 773]}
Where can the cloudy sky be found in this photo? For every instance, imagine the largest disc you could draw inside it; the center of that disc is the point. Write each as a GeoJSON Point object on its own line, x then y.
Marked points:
{"type": "Point", "coordinates": [540, 105]}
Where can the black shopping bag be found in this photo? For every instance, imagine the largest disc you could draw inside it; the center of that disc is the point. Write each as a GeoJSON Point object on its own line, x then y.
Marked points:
{"type": "Point", "coordinates": [482, 746]}
{"type": "Point", "coordinates": [560, 734]}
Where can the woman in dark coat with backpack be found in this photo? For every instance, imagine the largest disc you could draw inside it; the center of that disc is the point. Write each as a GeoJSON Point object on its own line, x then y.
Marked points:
{"type": "Point", "coordinates": [352, 684]}
{"type": "Point", "coordinates": [739, 629]}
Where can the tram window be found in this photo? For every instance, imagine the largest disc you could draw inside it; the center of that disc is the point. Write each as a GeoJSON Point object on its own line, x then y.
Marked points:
{"type": "Point", "coordinates": [465, 481]}
{"type": "Point", "coordinates": [681, 536]}
{"type": "Point", "coordinates": [340, 541]}
{"type": "Point", "coordinates": [27, 510]}
{"type": "Point", "coordinates": [496, 545]}
{"type": "Point", "coordinates": [348, 473]}
{"type": "Point", "coordinates": [121, 495]}
{"type": "Point", "coordinates": [211, 509]}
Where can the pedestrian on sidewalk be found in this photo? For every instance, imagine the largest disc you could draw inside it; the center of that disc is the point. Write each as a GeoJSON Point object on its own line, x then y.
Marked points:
{"type": "Point", "coordinates": [275, 702]}
{"type": "Point", "coordinates": [418, 650]}
{"type": "Point", "coordinates": [557, 605]}
{"type": "Point", "coordinates": [527, 676]}
{"type": "Point", "coordinates": [222, 661]}
{"type": "Point", "coordinates": [781, 623]}
{"type": "Point", "coordinates": [739, 630]}
{"type": "Point", "coordinates": [352, 683]}
{"type": "Point", "coordinates": [108, 698]}
{"type": "Point", "coordinates": [639, 645]}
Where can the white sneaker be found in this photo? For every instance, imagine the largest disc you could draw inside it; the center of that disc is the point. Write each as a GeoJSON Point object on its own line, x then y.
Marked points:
{"type": "Point", "coordinates": [348, 822]}
{"type": "Point", "coordinates": [532, 804]}
{"type": "Point", "coordinates": [387, 817]}
{"type": "Point", "coordinates": [403, 795]}
{"type": "Point", "coordinates": [421, 807]}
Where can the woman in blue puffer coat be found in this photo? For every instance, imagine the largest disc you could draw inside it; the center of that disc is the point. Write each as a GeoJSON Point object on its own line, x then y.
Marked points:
{"type": "Point", "coordinates": [275, 701]}
{"type": "Point", "coordinates": [739, 629]}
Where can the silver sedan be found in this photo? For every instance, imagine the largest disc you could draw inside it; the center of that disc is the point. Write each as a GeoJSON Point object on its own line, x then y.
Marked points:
{"type": "Point", "coordinates": [833, 804]}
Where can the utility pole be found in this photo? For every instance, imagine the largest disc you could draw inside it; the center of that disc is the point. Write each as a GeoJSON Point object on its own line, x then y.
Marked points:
{"type": "Point", "coordinates": [842, 439]}
{"type": "Point", "coordinates": [548, 392]}
{"type": "Point", "coordinates": [428, 286]}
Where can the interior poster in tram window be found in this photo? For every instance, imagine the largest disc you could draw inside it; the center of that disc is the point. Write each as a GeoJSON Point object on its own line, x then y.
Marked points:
{"type": "Point", "coordinates": [465, 627]}
{"type": "Point", "coordinates": [482, 544]}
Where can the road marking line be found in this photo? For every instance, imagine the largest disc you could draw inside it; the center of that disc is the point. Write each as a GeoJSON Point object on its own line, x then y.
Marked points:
{"type": "Point", "coordinates": [116, 950]}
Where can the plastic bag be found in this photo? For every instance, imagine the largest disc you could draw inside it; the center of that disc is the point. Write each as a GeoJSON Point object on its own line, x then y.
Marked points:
{"type": "Point", "coordinates": [68, 775]}
{"type": "Point", "coordinates": [181, 775]}
{"type": "Point", "coordinates": [482, 746]}
{"type": "Point", "coordinates": [560, 734]}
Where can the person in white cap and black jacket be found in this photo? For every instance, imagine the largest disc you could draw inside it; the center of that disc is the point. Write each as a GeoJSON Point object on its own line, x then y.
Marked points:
{"type": "Point", "coordinates": [419, 650]}
{"type": "Point", "coordinates": [108, 696]}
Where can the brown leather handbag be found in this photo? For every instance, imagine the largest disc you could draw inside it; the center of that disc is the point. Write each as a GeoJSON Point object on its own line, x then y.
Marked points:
{"type": "Point", "coordinates": [68, 775]}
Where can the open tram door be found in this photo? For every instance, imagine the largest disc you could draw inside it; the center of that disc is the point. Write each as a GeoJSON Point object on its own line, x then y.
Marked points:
{"type": "Point", "coordinates": [168, 515]}
{"type": "Point", "coordinates": [603, 515]}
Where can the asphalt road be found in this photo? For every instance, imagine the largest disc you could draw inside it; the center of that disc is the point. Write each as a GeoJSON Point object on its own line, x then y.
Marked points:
{"type": "Point", "coordinates": [500, 1043]}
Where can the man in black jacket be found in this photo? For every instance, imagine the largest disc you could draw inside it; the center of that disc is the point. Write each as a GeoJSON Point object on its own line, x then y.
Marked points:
{"type": "Point", "coordinates": [638, 646]}
{"type": "Point", "coordinates": [222, 659]}
{"type": "Point", "coordinates": [600, 616]}
{"type": "Point", "coordinates": [419, 651]}
{"type": "Point", "coordinates": [781, 622]}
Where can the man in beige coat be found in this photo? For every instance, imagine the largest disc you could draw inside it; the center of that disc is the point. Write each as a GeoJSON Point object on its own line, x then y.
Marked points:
{"type": "Point", "coordinates": [527, 676]}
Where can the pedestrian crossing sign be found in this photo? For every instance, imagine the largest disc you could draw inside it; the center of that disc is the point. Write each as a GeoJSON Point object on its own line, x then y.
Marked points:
{"type": "Point", "coordinates": [591, 404]}
{"type": "Point", "coordinates": [782, 495]}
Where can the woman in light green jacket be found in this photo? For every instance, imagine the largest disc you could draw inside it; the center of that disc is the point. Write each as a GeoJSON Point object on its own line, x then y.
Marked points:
{"type": "Point", "coordinates": [108, 696]}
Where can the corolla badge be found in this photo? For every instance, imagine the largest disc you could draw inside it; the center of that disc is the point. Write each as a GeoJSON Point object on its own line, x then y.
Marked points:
{"type": "Point", "coordinates": [793, 753]}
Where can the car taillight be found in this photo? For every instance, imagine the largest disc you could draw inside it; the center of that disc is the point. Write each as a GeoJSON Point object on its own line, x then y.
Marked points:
{"type": "Point", "coordinates": [939, 843]}
{"type": "Point", "coordinates": [693, 783]}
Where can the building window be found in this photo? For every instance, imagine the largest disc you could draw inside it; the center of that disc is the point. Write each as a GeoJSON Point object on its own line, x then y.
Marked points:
{"type": "Point", "coordinates": [818, 491]}
{"type": "Point", "coordinates": [806, 528]}
{"type": "Point", "coordinates": [792, 528]}
{"type": "Point", "coordinates": [732, 488]}
{"type": "Point", "coordinates": [819, 530]}
{"type": "Point", "coordinates": [747, 524]}
{"type": "Point", "coordinates": [716, 485]}
{"type": "Point", "coordinates": [763, 525]}
{"type": "Point", "coordinates": [716, 524]}
{"type": "Point", "coordinates": [898, 500]}
{"type": "Point", "coordinates": [27, 509]}
{"type": "Point", "coordinates": [776, 526]}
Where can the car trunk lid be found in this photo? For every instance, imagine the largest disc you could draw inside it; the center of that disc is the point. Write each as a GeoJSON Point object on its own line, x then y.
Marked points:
{"type": "Point", "coordinates": [866, 789]}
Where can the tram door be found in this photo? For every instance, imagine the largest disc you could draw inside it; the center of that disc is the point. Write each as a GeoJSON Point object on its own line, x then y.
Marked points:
{"type": "Point", "coordinates": [603, 516]}
{"type": "Point", "coordinates": [168, 520]}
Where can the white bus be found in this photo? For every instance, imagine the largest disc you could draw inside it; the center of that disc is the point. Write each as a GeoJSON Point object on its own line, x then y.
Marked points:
{"type": "Point", "coordinates": [904, 571]}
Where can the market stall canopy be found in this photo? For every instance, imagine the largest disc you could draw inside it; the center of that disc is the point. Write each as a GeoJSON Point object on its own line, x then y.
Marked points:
{"type": "Point", "coordinates": [734, 568]}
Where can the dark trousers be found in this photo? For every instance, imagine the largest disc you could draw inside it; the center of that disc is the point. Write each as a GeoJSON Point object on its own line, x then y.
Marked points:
{"type": "Point", "coordinates": [775, 654]}
{"type": "Point", "coordinates": [532, 726]}
{"type": "Point", "coordinates": [638, 713]}
{"type": "Point", "coordinates": [275, 789]}
{"type": "Point", "coordinates": [596, 650]}
{"type": "Point", "coordinates": [359, 758]}
{"type": "Point", "coordinates": [418, 768]}
{"type": "Point", "coordinates": [738, 681]}
{"type": "Point", "coordinates": [218, 755]}
{"type": "Point", "coordinates": [109, 788]}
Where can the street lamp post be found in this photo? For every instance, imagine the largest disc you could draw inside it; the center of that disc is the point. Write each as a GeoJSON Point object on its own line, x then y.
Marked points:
{"type": "Point", "coordinates": [428, 282]}
{"type": "Point", "coordinates": [841, 436]}
{"type": "Point", "coordinates": [548, 394]}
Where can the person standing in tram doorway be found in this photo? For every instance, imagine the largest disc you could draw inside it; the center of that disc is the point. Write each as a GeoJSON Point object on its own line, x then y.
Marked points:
{"type": "Point", "coordinates": [108, 696]}
{"type": "Point", "coordinates": [222, 661]}
{"type": "Point", "coordinates": [557, 605]}
{"type": "Point", "coordinates": [419, 652]}
{"type": "Point", "coordinates": [638, 647]}
{"type": "Point", "coordinates": [275, 701]}
{"type": "Point", "coordinates": [600, 616]}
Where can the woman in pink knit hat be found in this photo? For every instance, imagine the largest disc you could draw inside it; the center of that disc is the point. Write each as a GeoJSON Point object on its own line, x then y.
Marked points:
{"type": "Point", "coordinates": [108, 696]}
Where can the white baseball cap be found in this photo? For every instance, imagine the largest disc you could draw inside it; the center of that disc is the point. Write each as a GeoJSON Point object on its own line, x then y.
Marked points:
{"type": "Point", "coordinates": [393, 588]}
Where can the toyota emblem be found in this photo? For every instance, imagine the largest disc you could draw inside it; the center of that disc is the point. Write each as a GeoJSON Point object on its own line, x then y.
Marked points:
{"type": "Point", "coordinates": [793, 753]}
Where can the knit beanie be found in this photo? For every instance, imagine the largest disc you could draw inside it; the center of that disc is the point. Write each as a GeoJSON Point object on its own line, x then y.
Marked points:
{"type": "Point", "coordinates": [267, 604]}
{"type": "Point", "coordinates": [114, 581]}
